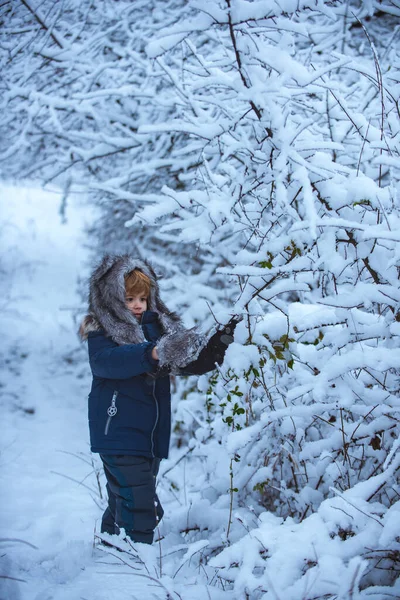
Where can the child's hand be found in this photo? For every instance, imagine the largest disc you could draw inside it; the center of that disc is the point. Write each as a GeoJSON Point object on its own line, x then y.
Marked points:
{"type": "Point", "coordinates": [154, 353]}
{"type": "Point", "coordinates": [214, 351]}
{"type": "Point", "coordinates": [226, 333]}
{"type": "Point", "coordinates": [222, 338]}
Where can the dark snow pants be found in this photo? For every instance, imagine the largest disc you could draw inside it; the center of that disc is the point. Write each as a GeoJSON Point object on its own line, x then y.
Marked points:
{"type": "Point", "coordinates": [132, 500]}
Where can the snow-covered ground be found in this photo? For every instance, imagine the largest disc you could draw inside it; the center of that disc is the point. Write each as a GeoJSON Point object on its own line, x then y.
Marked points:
{"type": "Point", "coordinates": [52, 488]}
{"type": "Point", "coordinates": [47, 514]}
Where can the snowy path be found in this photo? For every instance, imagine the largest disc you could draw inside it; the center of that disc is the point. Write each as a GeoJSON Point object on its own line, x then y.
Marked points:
{"type": "Point", "coordinates": [44, 384]}
{"type": "Point", "coordinates": [50, 497]}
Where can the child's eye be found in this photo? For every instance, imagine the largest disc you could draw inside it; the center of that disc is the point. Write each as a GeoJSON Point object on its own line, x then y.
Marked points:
{"type": "Point", "coordinates": [143, 299]}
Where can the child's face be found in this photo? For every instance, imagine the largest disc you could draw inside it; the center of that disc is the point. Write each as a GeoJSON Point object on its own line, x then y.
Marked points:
{"type": "Point", "coordinates": [137, 304]}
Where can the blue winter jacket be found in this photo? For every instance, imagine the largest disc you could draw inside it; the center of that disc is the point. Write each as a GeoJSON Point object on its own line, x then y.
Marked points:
{"type": "Point", "coordinates": [129, 409]}
{"type": "Point", "coordinates": [130, 399]}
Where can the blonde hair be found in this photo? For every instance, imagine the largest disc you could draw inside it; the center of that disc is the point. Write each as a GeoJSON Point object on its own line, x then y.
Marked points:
{"type": "Point", "coordinates": [137, 283]}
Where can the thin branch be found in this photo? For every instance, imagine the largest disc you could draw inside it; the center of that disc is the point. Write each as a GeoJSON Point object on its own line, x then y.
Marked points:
{"type": "Point", "coordinates": [42, 23]}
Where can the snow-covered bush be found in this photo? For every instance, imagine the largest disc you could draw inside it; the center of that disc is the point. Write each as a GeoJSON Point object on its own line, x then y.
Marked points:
{"type": "Point", "coordinates": [293, 114]}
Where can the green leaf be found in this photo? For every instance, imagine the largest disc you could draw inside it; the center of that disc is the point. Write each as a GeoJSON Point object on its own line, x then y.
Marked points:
{"type": "Point", "coordinates": [364, 201]}
{"type": "Point", "coordinates": [266, 264]}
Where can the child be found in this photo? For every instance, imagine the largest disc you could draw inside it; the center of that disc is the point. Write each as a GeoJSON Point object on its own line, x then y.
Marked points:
{"type": "Point", "coordinates": [134, 342]}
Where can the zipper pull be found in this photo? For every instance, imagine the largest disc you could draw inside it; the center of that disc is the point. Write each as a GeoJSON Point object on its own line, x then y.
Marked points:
{"type": "Point", "coordinates": [112, 409]}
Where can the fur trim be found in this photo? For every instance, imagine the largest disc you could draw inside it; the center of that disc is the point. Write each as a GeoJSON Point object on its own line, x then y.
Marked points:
{"type": "Point", "coordinates": [107, 311]}
{"type": "Point", "coordinates": [88, 324]}
{"type": "Point", "coordinates": [179, 348]}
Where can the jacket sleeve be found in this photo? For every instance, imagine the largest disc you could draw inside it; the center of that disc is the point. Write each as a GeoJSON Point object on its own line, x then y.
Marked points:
{"type": "Point", "coordinates": [110, 361]}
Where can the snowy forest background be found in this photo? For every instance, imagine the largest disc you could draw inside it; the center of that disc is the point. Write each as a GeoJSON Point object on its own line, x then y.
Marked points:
{"type": "Point", "coordinates": [250, 150]}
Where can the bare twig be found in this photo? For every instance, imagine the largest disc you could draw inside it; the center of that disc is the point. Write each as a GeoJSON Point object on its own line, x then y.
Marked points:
{"type": "Point", "coordinates": [39, 19]}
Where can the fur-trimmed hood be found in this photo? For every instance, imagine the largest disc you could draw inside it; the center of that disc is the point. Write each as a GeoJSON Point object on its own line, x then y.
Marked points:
{"type": "Point", "coordinates": [107, 312]}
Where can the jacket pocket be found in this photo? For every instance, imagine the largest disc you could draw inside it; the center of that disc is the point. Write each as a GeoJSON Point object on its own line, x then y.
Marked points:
{"type": "Point", "coordinates": [111, 412]}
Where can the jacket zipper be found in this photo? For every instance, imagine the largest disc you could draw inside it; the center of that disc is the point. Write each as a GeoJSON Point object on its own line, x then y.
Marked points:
{"type": "Point", "coordinates": [155, 400]}
{"type": "Point", "coordinates": [111, 411]}
{"type": "Point", "coordinates": [156, 421]}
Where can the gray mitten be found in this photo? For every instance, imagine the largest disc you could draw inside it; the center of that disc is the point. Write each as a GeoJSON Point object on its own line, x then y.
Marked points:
{"type": "Point", "coordinates": [178, 348]}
